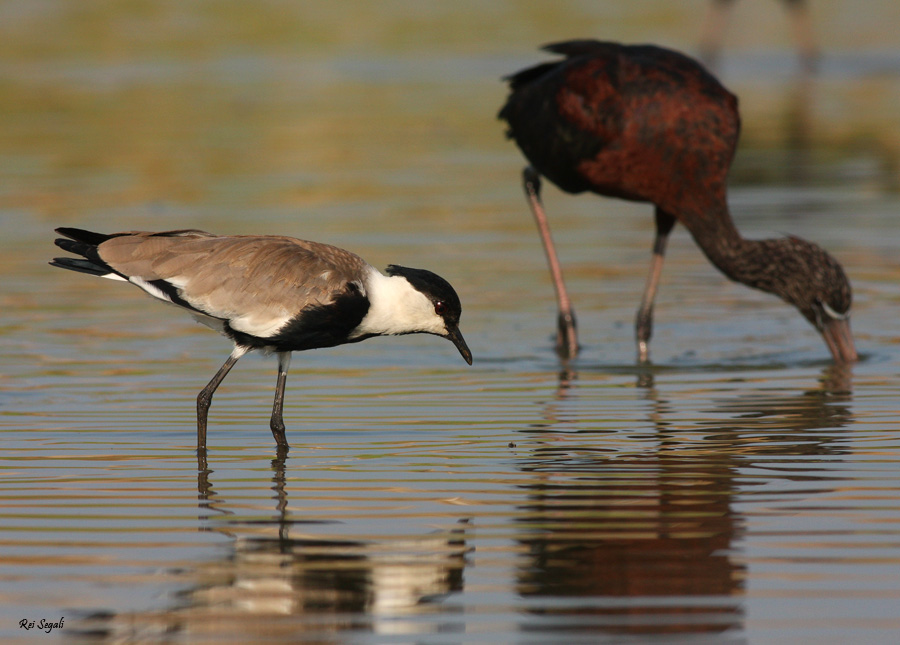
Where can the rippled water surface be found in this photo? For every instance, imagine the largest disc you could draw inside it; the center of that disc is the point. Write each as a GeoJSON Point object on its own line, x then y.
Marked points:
{"type": "Point", "coordinates": [739, 490]}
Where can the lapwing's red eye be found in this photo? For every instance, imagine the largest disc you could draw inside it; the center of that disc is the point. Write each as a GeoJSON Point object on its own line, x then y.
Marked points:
{"type": "Point", "coordinates": [440, 308]}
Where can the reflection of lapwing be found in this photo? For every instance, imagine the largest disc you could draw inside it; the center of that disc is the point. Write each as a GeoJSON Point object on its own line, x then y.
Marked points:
{"type": "Point", "coordinates": [285, 590]}
{"type": "Point", "coordinates": [649, 124]}
{"type": "Point", "coordinates": [277, 294]}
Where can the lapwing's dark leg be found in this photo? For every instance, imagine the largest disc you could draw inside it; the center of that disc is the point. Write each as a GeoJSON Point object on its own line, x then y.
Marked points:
{"type": "Point", "coordinates": [277, 422]}
{"type": "Point", "coordinates": [204, 399]}
{"type": "Point", "coordinates": [566, 336]}
{"type": "Point", "coordinates": [643, 322]}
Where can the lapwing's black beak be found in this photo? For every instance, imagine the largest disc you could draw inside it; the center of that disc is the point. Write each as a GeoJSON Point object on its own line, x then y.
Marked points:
{"type": "Point", "coordinates": [456, 338]}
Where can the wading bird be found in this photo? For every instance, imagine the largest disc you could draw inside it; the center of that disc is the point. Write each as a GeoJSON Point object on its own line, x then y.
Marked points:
{"type": "Point", "coordinates": [649, 124]}
{"type": "Point", "coordinates": [275, 294]}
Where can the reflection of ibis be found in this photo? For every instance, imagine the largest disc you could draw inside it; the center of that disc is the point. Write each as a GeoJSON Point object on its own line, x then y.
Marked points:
{"type": "Point", "coordinates": [649, 124]}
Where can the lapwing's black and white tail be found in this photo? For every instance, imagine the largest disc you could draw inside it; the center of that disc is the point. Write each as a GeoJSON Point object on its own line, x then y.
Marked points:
{"type": "Point", "coordinates": [84, 243]}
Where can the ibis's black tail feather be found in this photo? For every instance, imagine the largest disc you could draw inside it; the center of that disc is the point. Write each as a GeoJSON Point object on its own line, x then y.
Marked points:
{"type": "Point", "coordinates": [83, 243]}
{"type": "Point", "coordinates": [569, 49]}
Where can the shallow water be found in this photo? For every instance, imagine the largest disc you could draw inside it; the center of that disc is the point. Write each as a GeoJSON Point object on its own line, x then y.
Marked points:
{"type": "Point", "coordinates": [740, 490]}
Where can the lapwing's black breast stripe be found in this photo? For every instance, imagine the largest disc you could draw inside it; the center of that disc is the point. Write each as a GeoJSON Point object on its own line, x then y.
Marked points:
{"type": "Point", "coordinates": [316, 326]}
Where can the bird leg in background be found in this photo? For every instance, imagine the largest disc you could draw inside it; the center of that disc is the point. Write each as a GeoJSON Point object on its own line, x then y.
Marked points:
{"type": "Point", "coordinates": [567, 336]}
{"type": "Point", "coordinates": [277, 422]}
{"type": "Point", "coordinates": [204, 399]}
{"type": "Point", "coordinates": [801, 25]}
{"type": "Point", "coordinates": [712, 32]}
{"type": "Point", "coordinates": [643, 322]}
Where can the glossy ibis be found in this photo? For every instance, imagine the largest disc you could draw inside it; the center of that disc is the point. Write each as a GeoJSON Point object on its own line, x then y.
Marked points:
{"type": "Point", "coordinates": [649, 124]}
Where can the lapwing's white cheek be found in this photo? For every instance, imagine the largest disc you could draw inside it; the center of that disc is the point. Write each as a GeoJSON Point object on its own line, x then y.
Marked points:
{"type": "Point", "coordinates": [438, 326]}
{"type": "Point", "coordinates": [429, 321]}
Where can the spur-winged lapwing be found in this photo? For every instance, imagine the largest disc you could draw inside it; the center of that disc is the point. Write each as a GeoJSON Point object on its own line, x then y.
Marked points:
{"type": "Point", "coordinates": [276, 294]}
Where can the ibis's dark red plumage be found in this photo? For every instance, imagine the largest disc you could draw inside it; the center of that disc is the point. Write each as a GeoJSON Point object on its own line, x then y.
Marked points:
{"type": "Point", "coordinates": [650, 124]}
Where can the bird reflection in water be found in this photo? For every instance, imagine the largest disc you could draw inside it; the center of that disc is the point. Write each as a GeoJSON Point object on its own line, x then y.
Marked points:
{"type": "Point", "coordinates": [274, 586]}
{"type": "Point", "coordinates": [647, 540]}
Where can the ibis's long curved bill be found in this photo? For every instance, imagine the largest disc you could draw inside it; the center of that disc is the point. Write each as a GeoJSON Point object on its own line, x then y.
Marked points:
{"type": "Point", "coordinates": [839, 340]}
